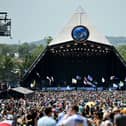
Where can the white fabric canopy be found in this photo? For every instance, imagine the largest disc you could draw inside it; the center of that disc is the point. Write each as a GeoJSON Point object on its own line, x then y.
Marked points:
{"type": "Point", "coordinates": [22, 90]}
{"type": "Point", "coordinates": [79, 18]}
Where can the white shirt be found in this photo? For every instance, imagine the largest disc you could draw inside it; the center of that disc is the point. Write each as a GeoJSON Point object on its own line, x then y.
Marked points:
{"type": "Point", "coordinates": [75, 120]}
{"type": "Point", "coordinates": [46, 121]}
{"type": "Point", "coordinates": [106, 123]}
{"type": "Point", "coordinates": [61, 115]}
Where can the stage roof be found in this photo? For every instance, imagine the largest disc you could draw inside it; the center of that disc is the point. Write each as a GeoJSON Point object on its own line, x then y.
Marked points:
{"type": "Point", "coordinates": [22, 90]}
{"type": "Point", "coordinates": [64, 57]}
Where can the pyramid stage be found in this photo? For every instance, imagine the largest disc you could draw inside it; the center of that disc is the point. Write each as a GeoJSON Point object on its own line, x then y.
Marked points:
{"type": "Point", "coordinates": [79, 56]}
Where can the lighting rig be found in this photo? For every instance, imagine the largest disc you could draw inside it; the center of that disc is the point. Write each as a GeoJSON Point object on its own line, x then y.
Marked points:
{"type": "Point", "coordinates": [5, 24]}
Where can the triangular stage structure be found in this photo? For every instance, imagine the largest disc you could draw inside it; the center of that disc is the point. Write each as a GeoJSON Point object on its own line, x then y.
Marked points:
{"type": "Point", "coordinates": [80, 17]}
{"type": "Point", "coordinates": [78, 51]}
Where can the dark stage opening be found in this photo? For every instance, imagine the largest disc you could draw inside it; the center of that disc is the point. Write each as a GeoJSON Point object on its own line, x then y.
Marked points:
{"type": "Point", "coordinates": [64, 69]}
{"type": "Point", "coordinates": [74, 63]}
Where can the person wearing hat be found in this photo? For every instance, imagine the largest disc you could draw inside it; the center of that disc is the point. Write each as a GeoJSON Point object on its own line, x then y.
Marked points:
{"type": "Point", "coordinates": [119, 118]}
{"type": "Point", "coordinates": [116, 110]}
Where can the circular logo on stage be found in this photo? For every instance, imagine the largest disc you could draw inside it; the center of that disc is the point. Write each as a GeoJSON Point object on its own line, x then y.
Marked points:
{"type": "Point", "coordinates": [80, 33]}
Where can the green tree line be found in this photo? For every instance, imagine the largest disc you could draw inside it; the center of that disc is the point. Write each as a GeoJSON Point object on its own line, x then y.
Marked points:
{"type": "Point", "coordinates": [15, 59]}
{"type": "Point", "coordinates": [122, 51]}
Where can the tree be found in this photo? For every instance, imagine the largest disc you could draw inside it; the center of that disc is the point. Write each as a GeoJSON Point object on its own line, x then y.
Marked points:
{"type": "Point", "coordinates": [48, 39]}
{"type": "Point", "coordinates": [122, 51]}
{"type": "Point", "coordinates": [12, 67]}
{"type": "Point", "coordinates": [37, 51]}
{"type": "Point", "coordinates": [5, 49]}
{"type": "Point", "coordinates": [6, 68]}
{"type": "Point", "coordinates": [23, 50]}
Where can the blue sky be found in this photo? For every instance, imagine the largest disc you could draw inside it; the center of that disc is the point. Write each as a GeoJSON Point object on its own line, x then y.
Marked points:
{"type": "Point", "coordinates": [34, 19]}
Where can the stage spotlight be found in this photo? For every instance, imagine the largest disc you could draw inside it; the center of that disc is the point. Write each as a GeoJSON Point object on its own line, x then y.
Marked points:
{"type": "Point", "coordinates": [84, 44]}
{"type": "Point", "coordinates": [75, 44]}
{"type": "Point", "coordinates": [68, 46]}
{"type": "Point", "coordinates": [99, 47]}
{"type": "Point", "coordinates": [92, 46]}
{"type": "Point", "coordinates": [61, 47]}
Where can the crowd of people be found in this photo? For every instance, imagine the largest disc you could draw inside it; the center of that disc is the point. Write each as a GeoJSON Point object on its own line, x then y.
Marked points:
{"type": "Point", "coordinates": [68, 108]}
